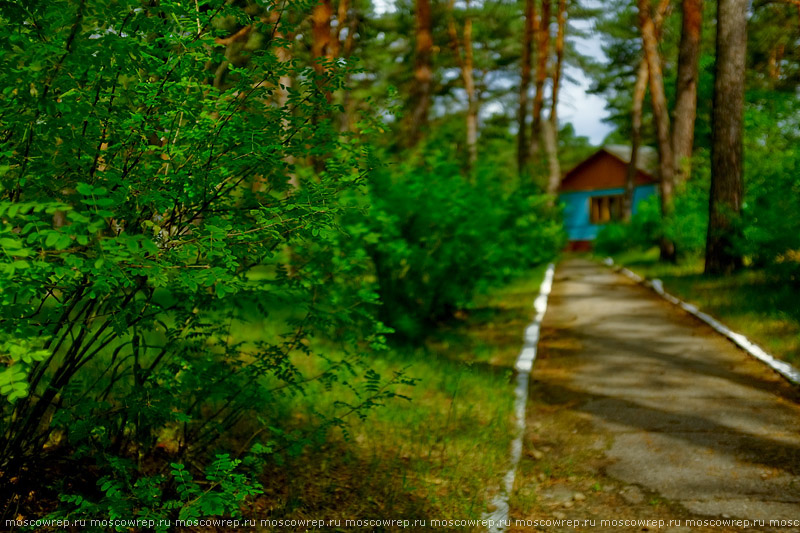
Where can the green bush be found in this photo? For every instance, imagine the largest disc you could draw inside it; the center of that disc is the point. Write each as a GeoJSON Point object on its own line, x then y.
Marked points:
{"type": "Point", "coordinates": [613, 238]}
{"type": "Point", "coordinates": [771, 210]}
{"type": "Point", "coordinates": [646, 222]}
{"type": "Point", "coordinates": [642, 231]}
{"type": "Point", "coordinates": [144, 212]}
{"type": "Point", "coordinates": [686, 225]}
{"type": "Point", "coordinates": [435, 238]}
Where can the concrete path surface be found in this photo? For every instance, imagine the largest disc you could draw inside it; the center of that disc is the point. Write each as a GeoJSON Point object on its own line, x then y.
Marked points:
{"type": "Point", "coordinates": [687, 416]}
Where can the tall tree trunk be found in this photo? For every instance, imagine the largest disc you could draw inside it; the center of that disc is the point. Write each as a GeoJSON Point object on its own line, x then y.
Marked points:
{"type": "Point", "coordinates": [423, 73]}
{"type": "Point", "coordinates": [472, 99]}
{"type": "Point", "coordinates": [550, 138]}
{"type": "Point", "coordinates": [686, 88]}
{"type": "Point", "coordinates": [551, 129]}
{"type": "Point", "coordinates": [775, 59]}
{"type": "Point", "coordinates": [639, 91]}
{"type": "Point", "coordinates": [561, 20]}
{"type": "Point", "coordinates": [524, 86]}
{"type": "Point", "coordinates": [322, 48]}
{"type": "Point", "coordinates": [661, 119]}
{"type": "Point", "coordinates": [542, 26]}
{"type": "Point", "coordinates": [726, 137]}
{"type": "Point", "coordinates": [466, 65]}
{"type": "Point", "coordinates": [322, 45]}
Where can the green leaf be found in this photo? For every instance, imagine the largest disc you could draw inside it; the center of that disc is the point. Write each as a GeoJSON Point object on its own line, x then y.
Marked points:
{"type": "Point", "coordinates": [10, 244]}
{"type": "Point", "coordinates": [84, 189]}
{"type": "Point", "coordinates": [63, 242]}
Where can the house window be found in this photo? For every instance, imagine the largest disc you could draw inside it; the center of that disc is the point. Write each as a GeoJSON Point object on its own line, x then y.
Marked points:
{"type": "Point", "coordinates": [605, 209]}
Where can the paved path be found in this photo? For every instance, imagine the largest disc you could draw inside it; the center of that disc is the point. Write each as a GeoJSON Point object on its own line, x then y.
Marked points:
{"type": "Point", "coordinates": [691, 418]}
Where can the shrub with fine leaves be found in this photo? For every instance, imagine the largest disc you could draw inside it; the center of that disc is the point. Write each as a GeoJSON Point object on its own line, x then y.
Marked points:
{"type": "Point", "coordinates": [146, 206]}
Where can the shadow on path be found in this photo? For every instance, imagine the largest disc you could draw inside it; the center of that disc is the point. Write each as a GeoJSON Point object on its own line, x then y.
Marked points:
{"type": "Point", "coordinates": [692, 417]}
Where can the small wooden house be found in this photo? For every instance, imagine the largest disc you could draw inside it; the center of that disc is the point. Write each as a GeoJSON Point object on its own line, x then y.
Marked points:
{"type": "Point", "coordinates": [593, 190]}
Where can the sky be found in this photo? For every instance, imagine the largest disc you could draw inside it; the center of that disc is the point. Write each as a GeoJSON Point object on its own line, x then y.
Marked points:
{"type": "Point", "coordinates": [585, 111]}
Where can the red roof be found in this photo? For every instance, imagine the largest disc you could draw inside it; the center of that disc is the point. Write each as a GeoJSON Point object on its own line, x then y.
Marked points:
{"type": "Point", "coordinates": [607, 169]}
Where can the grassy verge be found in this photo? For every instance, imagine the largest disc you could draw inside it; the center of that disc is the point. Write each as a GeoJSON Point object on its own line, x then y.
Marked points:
{"type": "Point", "coordinates": [441, 453]}
{"type": "Point", "coordinates": [750, 301]}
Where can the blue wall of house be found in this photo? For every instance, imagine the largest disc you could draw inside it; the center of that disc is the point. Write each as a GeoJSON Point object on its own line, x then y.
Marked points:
{"type": "Point", "coordinates": [576, 211]}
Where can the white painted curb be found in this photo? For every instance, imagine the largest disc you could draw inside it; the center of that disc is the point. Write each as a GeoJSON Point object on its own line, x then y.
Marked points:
{"type": "Point", "coordinates": [499, 518]}
{"type": "Point", "coordinates": [786, 370]}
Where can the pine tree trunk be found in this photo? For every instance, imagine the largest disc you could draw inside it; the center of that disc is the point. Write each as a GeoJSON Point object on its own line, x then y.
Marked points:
{"type": "Point", "coordinates": [561, 20]}
{"type": "Point", "coordinates": [550, 138]}
{"type": "Point", "coordinates": [472, 100]}
{"type": "Point", "coordinates": [726, 137]}
{"type": "Point", "coordinates": [551, 129]}
{"type": "Point", "coordinates": [542, 28]}
{"type": "Point", "coordinates": [321, 51]}
{"type": "Point", "coordinates": [661, 119]}
{"type": "Point", "coordinates": [322, 39]}
{"type": "Point", "coordinates": [423, 73]}
{"type": "Point", "coordinates": [775, 59]}
{"type": "Point", "coordinates": [524, 86]}
{"type": "Point", "coordinates": [639, 91]}
{"type": "Point", "coordinates": [466, 64]}
{"type": "Point", "coordinates": [686, 88]}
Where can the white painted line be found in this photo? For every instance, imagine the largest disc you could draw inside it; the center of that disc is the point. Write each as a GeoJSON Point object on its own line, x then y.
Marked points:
{"type": "Point", "coordinates": [634, 276]}
{"type": "Point", "coordinates": [786, 370]}
{"type": "Point", "coordinates": [499, 518]}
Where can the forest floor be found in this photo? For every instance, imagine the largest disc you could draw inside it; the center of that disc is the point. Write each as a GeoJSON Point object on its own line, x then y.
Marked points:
{"type": "Point", "coordinates": [639, 411]}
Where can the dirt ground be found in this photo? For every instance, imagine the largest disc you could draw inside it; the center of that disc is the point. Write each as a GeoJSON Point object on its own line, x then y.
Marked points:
{"type": "Point", "coordinates": [638, 411]}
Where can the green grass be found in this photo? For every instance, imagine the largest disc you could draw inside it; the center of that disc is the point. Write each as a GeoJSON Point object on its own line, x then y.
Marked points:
{"type": "Point", "coordinates": [439, 454]}
{"type": "Point", "coordinates": [750, 302]}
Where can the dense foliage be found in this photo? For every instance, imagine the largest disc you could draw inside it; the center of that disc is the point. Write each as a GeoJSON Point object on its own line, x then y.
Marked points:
{"type": "Point", "coordinates": [144, 210]}
{"type": "Point", "coordinates": [771, 216]}
{"type": "Point", "coordinates": [435, 239]}
{"type": "Point", "coordinates": [163, 183]}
